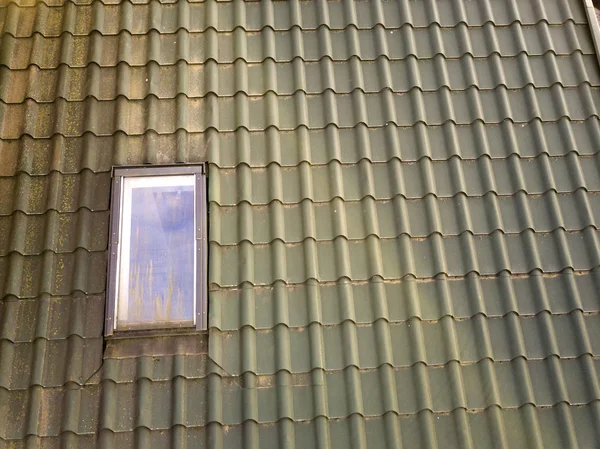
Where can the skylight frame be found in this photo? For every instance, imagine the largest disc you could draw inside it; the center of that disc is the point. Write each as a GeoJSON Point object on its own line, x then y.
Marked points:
{"type": "Point", "coordinates": [116, 241]}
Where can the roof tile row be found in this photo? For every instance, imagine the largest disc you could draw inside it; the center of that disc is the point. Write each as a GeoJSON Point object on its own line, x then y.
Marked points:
{"type": "Point", "coordinates": [404, 344]}
{"type": "Point", "coordinates": [346, 393]}
{"type": "Point", "coordinates": [80, 18]}
{"type": "Point", "coordinates": [329, 261]}
{"type": "Point", "coordinates": [136, 83]}
{"type": "Point", "coordinates": [383, 181]}
{"type": "Point", "coordinates": [285, 46]}
{"type": "Point", "coordinates": [261, 186]}
{"type": "Point", "coordinates": [448, 216]}
{"type": "Point", "coordinates": [50, 318]}
{"type": "Point", "coordinates": [331, 246]}
{"type": "Point", "coordinates": [290, 112]}
{"type": "Point", "coordinates": [69, 362]}
{"type": "Point", "coordinates": [563, 425]}
{"type": "Point", "coordinates": [71, 155]}
{"type": "Point", "coordinates": [325, 261]}
{"type": "Point", "coordinates": [389, 218]}
{"type": "Point", "coordinates": [428, 300]}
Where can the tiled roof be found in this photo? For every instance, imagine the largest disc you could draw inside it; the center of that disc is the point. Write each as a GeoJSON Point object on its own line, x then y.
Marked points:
{"type": "Point", "coordinates": [404, 210]}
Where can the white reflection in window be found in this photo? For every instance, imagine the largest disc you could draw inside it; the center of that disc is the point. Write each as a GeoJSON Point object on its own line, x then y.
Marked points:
{"type": "Point", "coordinates": [157, 259]}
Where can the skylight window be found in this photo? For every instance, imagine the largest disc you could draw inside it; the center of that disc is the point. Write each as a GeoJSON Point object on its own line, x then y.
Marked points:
{"type": "Point", "coordinates": [157, 270]}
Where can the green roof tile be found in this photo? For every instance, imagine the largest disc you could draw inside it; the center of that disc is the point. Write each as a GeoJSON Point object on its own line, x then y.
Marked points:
{"type": "Point", "coordinates": [404, 214]}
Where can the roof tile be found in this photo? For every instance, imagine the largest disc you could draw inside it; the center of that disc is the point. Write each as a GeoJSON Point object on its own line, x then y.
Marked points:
{"type": "Point", "coordinates": [404, 242]}
{"type": "Point", "coordinates": [448, 216]}
{"type": "Point", "coordinates": [397, 302]}
{"type": "Point", "coordinates": [386, 181]}
{"type": "Point", "coordinates": [81, 18]}
{"type": "Point", "coordinates": [103, 118]}
{"type": "Point", "coordinates": [71, 155]}
{"type": "Point", "coordinates": [193, 80]}
{"type": "Point", "coordinates": [404, 344]}
{"type": "Point", "coordinates": [307, 45]}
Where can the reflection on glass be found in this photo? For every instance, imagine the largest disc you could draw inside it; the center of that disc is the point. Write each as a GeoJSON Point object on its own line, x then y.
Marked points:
{"type": "Point", "coordinates": [157, 255]}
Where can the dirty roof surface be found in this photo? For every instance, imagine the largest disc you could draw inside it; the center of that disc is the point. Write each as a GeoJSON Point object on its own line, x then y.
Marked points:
{"type": "Point", "coordinates": [404, 202]}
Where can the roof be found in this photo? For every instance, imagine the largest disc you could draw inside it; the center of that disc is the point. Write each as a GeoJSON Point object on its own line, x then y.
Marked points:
{"type": "Point", "coordinates": [404, 205]}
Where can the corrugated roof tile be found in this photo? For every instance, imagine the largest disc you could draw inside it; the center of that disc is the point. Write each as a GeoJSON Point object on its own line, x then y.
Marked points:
{"type": "Point", "coordinates": [395, 301]}
{"type": "Point", "coordinates": [48, 364]}
{"type": "Point", "coordinates": [403, 256]}
{"type": "Point", "coordinates": [410, 342]}
{"type": "Point", "coordinates": [71, 155]}
{"type": "Point", "coordinates": [403, 226]}
{"type": "Point", "coordinates": [81, 18]}
{"type": "Point", "coordinates": [50, 318]}
{"type": "Point", "coordinates": [53, 231]}
{"type": "Point", "coordinates": [53, 273]}
{"type": "Point", "coordinates": [448, 216]}
{"type": "Point", "coordinates": [137, 83]}
{"type": "Point", "coordinates": [386, 181]}
{"type": "Point", "coordinates": [304, 45]}
{"type": "Point", "coordinates": [56, 192]}
{"type": "Point", "coordinates": [165, 116]}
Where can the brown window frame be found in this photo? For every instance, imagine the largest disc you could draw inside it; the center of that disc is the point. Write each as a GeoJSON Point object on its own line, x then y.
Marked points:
{"type": "Point", "coordinates": [201, 239]}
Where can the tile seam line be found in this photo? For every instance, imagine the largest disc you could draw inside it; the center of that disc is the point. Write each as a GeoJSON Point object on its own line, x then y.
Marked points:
{"type": "Point", "coordinates": [372, 279]}
{"type": "Point", "coordinates": [365, 416]}
{"type": "Point", "coordinates": [82, 170]}
{"type": "Point", "coordinates": [83, 210]}
{"type": "Point", "coordinates": [376, 369]}
{"type": "Point", "coordinates": [372, 369]}
{"type": "Point", "coordinates": [290, 60]}
{"type": "Point", "coordinates": [359, 201]}
{"type": "Point", "coordinates": [70, 336]}
{"type": "Point", "coordinates": [48, 297]}
{"type": "Point", "coordinates": [299, 421]}
{"type": "Point", "coordinates": [335, 418]}
{"type": "Point", "coordinates": [298, 57]}
{"type": "Point", "coordinates": [287, 243]}
{"type": "Point", "coordinates": [368, 324]}
{"type": "Point", "coordinates": [315, 128]}
{"type": "Point", "coordinates": [398, 158]}
{"type": "Point", "coordinates": [402, 415]}
{"type": "Point", "coordinates": [77, 212]}
{"type": "Point", "coordinates": [593, 117]}
{"type": "Point", "coordinates": [152, 131]}
{"type": "Point", "coordinates": [214, 286]}
{"type": "Point", "coordinates": [153, 96]}
{"type": "Point", "coordinates": [254, 96]}
{"type": "Point", "coordinates": [47, 293]}
{"type": "Point", "coordinates": [365, 324]}
{"type": "Point", "coordinates": [378, 237]}
{"type": "Point", "coordinates": [152, 29]}
{"type": "Point", "coordinates": [300, 163]}
{"type": "Point", "coordinates": [408, 321]}
{"type": "Point", "coordinates": [46, 3]}
{"type": "Point", "coordinates": [78, 249]}
{"type": "Point", "coordinates": [78, 293]}
{"type": "Point", "coordinates": [408, 198]}
{"type": "Point", "coordinates": [238, 286]}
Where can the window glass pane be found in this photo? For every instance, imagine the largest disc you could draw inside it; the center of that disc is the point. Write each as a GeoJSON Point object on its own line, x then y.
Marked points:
{"type": "Point", "coordinates": [157, 276]}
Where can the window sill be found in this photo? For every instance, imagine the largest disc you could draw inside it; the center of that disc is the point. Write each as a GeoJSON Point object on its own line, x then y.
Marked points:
{"type": "Point", "coordinates": [164, 327]}
{"type": "Point", "coordinates": [156, 342]}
